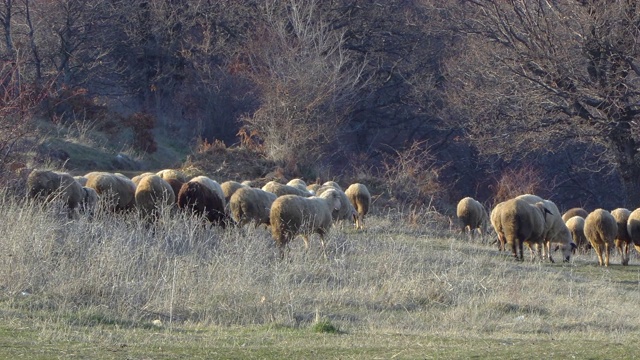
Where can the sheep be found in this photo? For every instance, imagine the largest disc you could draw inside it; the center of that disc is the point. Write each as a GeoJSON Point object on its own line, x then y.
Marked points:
{"type": "Point", "coordinates": [51, 185]}
{"type": "Point", "coordinates": [496, 222]}
{"type": "Point", "coordinates": [576, 227]}
{"type": "Point", "coordinates": [633, 228]}
{"type": "Point", "coordinates": [249, 204]}
{"type": "Point", "coordinates": [203, 196]}
{"type": "Point", "coordinates": [81, 180]}
{"type": "Point", "coordinates": [622, 240]}
{"type": "Point", "coordinates": [152, 194]}
{"type": "Point", "coordinates": [175, 178]}
{"type": "Point", "coordinates": [118, 191]}
{"type": "Point", "coordinates": [172, 174]}
{"type": "Point", "coordinates": [555, 229]}
{"type": "Point", "coordinates": [292, 215]}
{"type": "Point", "coordinates": [600, 228]}
{"type": "Point", "coordinates": [89, 201]}
{"type": "Point", "coordinates": [229, 188]}
{"type": "Point", "coordinates": [347, 211]}
{"type": "Point", "coordinates": [298, 183]}
{"type": "Point", "coordinates": [333, 184]}
{"type": "Point", "coordinates": [521, 223]}
{"type": "Point", "coordinates": [360, 199]}
{"type": "Point", "coordinates": [472, 215]}
{"type": "Point", "coordinates": [280, 189]}
{"type": "Point", "coordinates": [136, 179]}
{"type": "Point", "coordinates": [313, 188]}
{"type": "Point", "coordinates": [577, 211]}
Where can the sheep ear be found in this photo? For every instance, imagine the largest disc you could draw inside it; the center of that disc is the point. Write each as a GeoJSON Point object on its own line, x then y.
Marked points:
{"type": "Point", "coordinates": [573, 245]}
{"type": "Point", "coordinates": [547, 210]}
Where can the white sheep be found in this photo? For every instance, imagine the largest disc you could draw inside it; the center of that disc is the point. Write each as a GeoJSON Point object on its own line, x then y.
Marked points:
{"type": "Point", "coordinates": [577, 211]}
{"type": "Point", "coordinates": [472, 215]}
{"type": "Point", "coordinates": [522, 223]}
{"type": "Point", "coordinates": [600, 228]}
{"type": "Point", "coordinates": [622, 240]}
{"type": "Point", "coordinates": [293, 215]}
{"type": "Point", "coordinates": [360, 199]}
{"type": "Point", "coordinates": [281, 189]}
{"type": "Point", "coordinates": [576, 227]}
{"type": "Point", "coordinates": [250, 204]}
{"type": "Point", "coordinates": [633, 228]}
{"type": "Point", "coordinates": [496, 222]}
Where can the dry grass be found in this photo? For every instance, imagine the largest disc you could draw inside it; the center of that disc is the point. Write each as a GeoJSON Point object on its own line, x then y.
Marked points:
{"type": "Point", "coordinates": [398, 285]}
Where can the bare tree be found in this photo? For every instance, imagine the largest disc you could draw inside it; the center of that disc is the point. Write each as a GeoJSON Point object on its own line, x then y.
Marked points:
{"type": "Point", "coordinates": [305, 78]}
{"type": "Point", "coordinates": [529, 75]}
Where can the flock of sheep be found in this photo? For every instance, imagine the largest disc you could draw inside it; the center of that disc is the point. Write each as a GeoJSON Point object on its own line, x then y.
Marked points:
{"type": "Point", "coordinates": [288, 209]}
{"type": "Point", "coordinates": [536, 222]}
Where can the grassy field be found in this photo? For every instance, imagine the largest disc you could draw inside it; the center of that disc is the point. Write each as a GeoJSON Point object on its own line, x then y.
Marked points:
{"type": "Point", "coordinates": [405, 288]}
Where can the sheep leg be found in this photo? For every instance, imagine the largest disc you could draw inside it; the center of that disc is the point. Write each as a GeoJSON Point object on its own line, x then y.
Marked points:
{"type": "Point", "coordinates": [607, 249]}
{"type": "Point", "coordinates": [625, 260]}
{"type": "Point", "coordinates": [598, 250]}
{"type": "Point", "coordinates": [547, 245]}
{"type": "Point", "coordinates": [306, 241]}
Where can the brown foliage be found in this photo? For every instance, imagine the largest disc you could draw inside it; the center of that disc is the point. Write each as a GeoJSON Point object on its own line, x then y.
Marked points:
{"type": "Point", "coordinates": [514, 182]}
{"type": "Point", "coordinates": [143, 138]}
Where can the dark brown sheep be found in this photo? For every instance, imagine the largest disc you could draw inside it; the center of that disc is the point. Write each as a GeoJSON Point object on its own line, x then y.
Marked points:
{"type": "Point", "coordinates": [202, 200]}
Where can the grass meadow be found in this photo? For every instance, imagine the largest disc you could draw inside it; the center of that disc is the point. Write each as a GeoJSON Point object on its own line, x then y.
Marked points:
{"type": "Point", "coordinates": [405, 288]}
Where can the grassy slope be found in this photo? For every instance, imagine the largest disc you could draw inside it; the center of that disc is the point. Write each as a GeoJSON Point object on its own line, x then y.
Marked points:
{"type": "Point", "coordinates": [91, 289]}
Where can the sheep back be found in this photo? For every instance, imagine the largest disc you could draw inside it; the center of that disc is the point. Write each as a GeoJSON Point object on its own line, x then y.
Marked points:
{"type": "Point", "coordinates": [346, 211]}
{"type": "Point", "coordinates": [229, 188]}
{"type": "Point", "coordinates": [633, 228]}
{"type": "Point", "coordinates": [360, 199]}
{"type": "Point", "coordinates": [249, 204]}
{"type": "Point", "coordinates": [472, 215]}
{"type": "Point", "coordinates": [118, 191]}
{"type": "Point", "coordinates": [600, 228]}
{"type": "Point", "coordinates": [152, 193]}
{"type": "Point", "coordinates": [281, 189]}
{"type": "Point", "coordinates": [522, 222]}
{"type": "Point", "coordinates": [575, 224]}
{"type": "Point", "coordinates": [291, 215]}
{"type": "Point", "coordinates": [49, 185]}
{"type": "Point", "coordinates": [201, 199]}
{"type": "Point", "coordinates": [577, 211]}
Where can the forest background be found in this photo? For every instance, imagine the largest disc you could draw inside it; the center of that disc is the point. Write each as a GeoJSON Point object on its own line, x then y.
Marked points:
{"type": "Point", "coordinates": [440, 99]}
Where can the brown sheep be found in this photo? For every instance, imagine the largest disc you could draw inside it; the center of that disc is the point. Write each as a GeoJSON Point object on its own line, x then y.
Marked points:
{"type": "Point", "coordinates": [360, 199]}
{"type": "Point", "coordinates": [633, 228]}
{"type": "Point", "coordinates": [280, 189]}
{"type": "Point", "coordinates": [152, 194]}
{"type": "Point", "coordinates": [577, 211]}
{"type": "Point", "coordinates": [249, 204]}
{"type": "Point", "coordinates": [167, 174]}
{"type": "Point", "coordinates": [203, 199]}
{"type": "Point", "coordinates": [522, 223]}
{"type": "Point", "coordinates": [576, 228]}
{"type": "Point", "coordinates": [118, 191]}
{"type": "Point", "coordinates": [136, 179]}
{"type": "Point", "coordinates": [496, 222]}
{"type": "Point", "coordinates": [293, 215]}
{"type": "Point", "coordinates": [622, 240]}
{"type": "Point", "coordinates": [51, 185]}
{"type": "Point", "coordinates": [90, 201]}
{"type": "Point", "coordinates": [312, 188]}
{"type": "Point", "coordinates": [600, 228]}
{"type": "Point", "coordinates": [472, 215]}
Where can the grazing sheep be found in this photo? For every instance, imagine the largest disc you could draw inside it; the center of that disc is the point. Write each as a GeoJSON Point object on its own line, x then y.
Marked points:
{"type": "Point", "coordinates": [522, 223]}
{"type": "Point", "coordinates": [360, 199]}
{"type": "Point", "coordinates": [556, 232]}
{"type": "Point", "coordinates": [633, 228]}
{"type": "Point", "coordinates": [118, 191]}
{"type": "Point", "coordinates": [313, 188]}
{"type": "Point", "coordinates": [622, 240]}
{"type": "Point", "coordinates": [600, 228]}
{"type": "Point", "coordinates": [298, 183]}
{"type": "Point", "coordinates": [347, 211]}
{"type": "Point", "coordinates": [152, 194]}
{"type": "Point", "coordinates": [280, 189]}
{"type": "Point", "coordinates": [167, 174]}
{"type": "Point", "coordinates": [496, 222]}
{"type": "Point", "coordinates": [472, 215]}
{"type": "Point", "coordinates": [576, 227]}
{"type": "Point", "coordinates": [51, 185]}
{"type": "Point", "coordinates": [333, 184]}
{"type": "Point", "coordinates": [291, 215]}
{"type": "Point", "coordinates": [81, 180]}
{"type": "Point", "coordinates": [89, 201]}
{"type": "Point", "coordinates": [201, 196]}
{"type": "Point", "coordinates": [249, 204]}
{"type": "Point", "coordinates": [577, 211]}
{"type": "Point", "coordinates": [229, 188]}
{"type": "Point", "coordinates": [136, 179]}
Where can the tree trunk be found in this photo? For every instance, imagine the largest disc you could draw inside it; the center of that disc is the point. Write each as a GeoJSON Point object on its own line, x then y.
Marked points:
{"type": "Point", "coordinates": [628, 161]}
